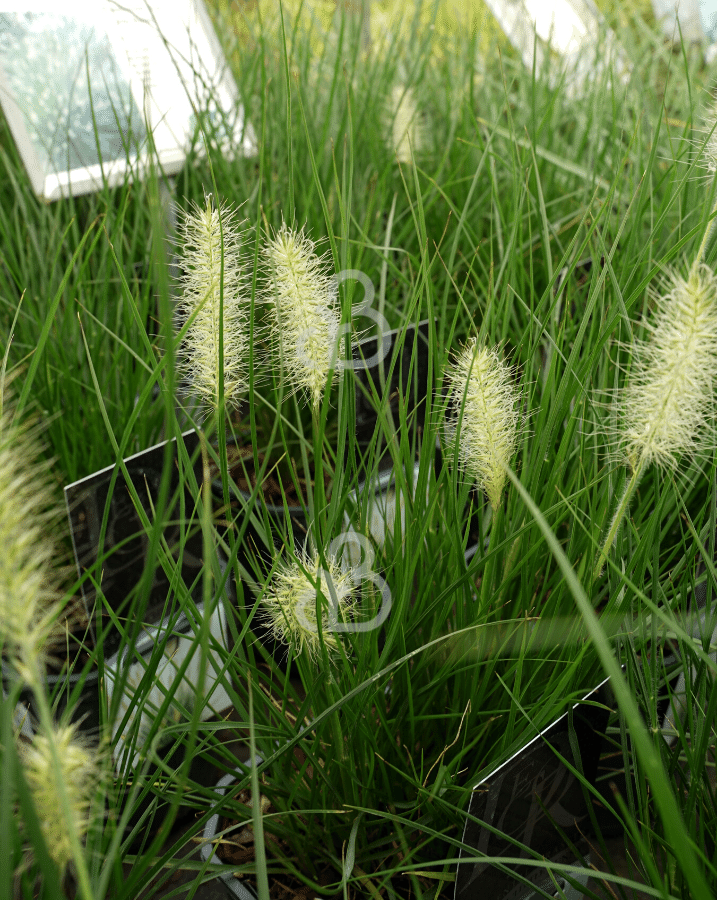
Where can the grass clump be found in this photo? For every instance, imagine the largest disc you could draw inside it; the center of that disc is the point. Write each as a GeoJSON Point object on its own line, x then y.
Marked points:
{"type": "Point", "coordinates": [533, 221]}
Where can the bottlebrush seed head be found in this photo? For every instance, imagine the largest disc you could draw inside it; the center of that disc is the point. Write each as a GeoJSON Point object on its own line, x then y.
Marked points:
{"type": "Point", "coordinates": [29, 575]}
{"type": "Point", "coordinates": [709, 127]}
{"type": "Point", "coordinates": [304, 294]}
{"type": "Point", "coordinates": [407, 135]}
{"type": "Point", "coordinates": [78, 774]}
{"type": "Point", "coordinates": [669, 397]}
{"type": "Point", "coordinates": [212, 252]}
{"type": "Point", "coordinates": [292, 598]}
{"type": "Point", "coordinates": [486, 417]}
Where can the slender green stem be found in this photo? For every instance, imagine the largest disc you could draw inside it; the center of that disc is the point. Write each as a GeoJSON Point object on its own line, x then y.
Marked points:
{"type": "Point", "coordinates": [260, 856]}
{"type": "Point", "coordinates": [488, 579]}
{"type": "Point", "coordinates": [316, 418]}
{"type": "Point", "coordinates": [628, 491]}
{"type": "Point", "coordinates": [208, 547]}
{"type": "Point", "coordinates": [341, 749]}
{"type": "Point", "coordinates": [508, 566]}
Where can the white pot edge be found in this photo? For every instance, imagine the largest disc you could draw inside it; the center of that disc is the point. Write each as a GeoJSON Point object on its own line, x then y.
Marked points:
{"type": "Point", "coordinates": [233, 884]}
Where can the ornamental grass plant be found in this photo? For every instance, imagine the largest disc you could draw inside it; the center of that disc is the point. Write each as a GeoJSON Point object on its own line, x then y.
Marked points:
{"type": "Point", "coordinates": [491, 617]}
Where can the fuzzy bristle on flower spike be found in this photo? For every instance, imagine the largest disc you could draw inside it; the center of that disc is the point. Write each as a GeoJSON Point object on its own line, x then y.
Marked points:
{"type": "Point", "coordinates": [304, 293]}
{"type": "Point", "coordinates": [29, 575]}
{"type": "Point", "coordinates": [407, 134]}
{"type": "Point", "coordinates": [668, 400]}
{"type": "Point", "coordinates": [669, 396]}
{"type": "Point", "coordinates": [486, 416]}
{"type": "Point", "coordinates": [291, 603]}
{"type": "Point", "coordinates": [708, 140]}
{"type": "Point", "coordinates": [55, 764]}
{"type": "Point", "coordinates": [214, 294]}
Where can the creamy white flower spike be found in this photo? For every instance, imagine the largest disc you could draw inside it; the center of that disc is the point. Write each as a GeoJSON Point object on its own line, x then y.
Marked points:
{"type": "Point", "coordinates": [304, 294]}
{"type": "Point", "coordinates": [669, 396]}
{"type": "Point", "coordinates": [407, 134]}
{"type": "Point", "coordinates": [292, 601]}
{"type": "Point", "coordinates": [487, 415]}
{"type": "Point", "coordinates": [29, 575]}
{"type": "Point", "coordinates": [214, 282]}
{"type": "Point", "coordinates": [709, 127]}
{"type": "Point", "coordinates": [668, 401]}
{"type": "Point", "coordinates": [78, 774]}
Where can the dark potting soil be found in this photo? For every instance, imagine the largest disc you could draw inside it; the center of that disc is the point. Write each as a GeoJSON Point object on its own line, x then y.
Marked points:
{"type": "Point", "coordinates": [278, 483]}
{"type": "Point", "coordinates": [238, 848]}
{"type": "Point", "coordinates": [69, 643]}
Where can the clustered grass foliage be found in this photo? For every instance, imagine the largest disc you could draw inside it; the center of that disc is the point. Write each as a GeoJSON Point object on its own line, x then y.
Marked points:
{"type": "Point", "coordinates": [553, 508]}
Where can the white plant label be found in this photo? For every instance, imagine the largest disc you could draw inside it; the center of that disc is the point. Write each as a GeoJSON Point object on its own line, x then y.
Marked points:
{"type": "Point", "coordinates": [214, 697]}
{"type": "Point", "coordinates": [83, 85]}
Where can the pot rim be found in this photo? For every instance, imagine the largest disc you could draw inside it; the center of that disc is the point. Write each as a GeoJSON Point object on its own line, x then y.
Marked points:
{"type": "Point", "coordinates": [236, 887]}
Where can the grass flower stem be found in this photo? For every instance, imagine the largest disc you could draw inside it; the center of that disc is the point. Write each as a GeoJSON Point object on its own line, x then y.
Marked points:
{"type": "Point", "coordinates": [260, 858]}
{"type": "Point", "coordinates": [333, 689]}
{"type": "Point", "coordinates": [340, 749]}
{"type": "Point", "coordinates": [629, 487]}
{"type": "Point", "coordinates": [488, 585]}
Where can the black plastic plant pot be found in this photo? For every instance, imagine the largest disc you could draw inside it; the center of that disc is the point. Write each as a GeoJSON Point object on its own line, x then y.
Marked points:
{"type": "Point", "coordinates": [408, 376]}
{"type": "Point", "coordinates": [535, 798]}
{"type": "Point", "coordinates": [253, 551]}
{"type": "Point", "coordinates": [236, 889]}
{"type": "Point", "coordinates": [124, 560]}
{"type": "Point", "coordinates": [201, 772]}
{"type": "Point", "coordinates": [126, 545]}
